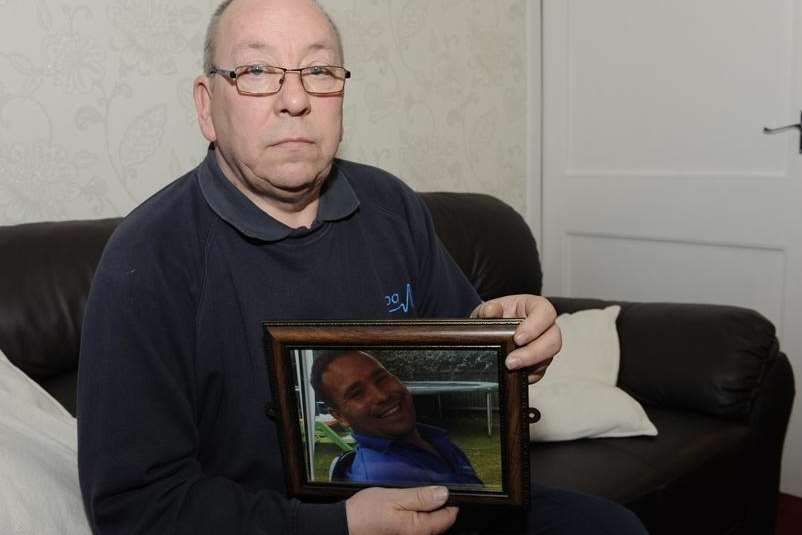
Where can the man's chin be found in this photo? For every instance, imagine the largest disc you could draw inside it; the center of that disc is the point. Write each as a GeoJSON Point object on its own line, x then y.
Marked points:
{"type": "Point", "coordinates": [400, 430]}
{"type": "Point", "coordinates": [293, 176]}
{"type": "Point", "coordinates": [289, 182]}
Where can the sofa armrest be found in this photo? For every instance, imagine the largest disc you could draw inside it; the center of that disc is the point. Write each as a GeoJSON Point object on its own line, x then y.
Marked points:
{"type": "Point", "coordinates": [707, 358]}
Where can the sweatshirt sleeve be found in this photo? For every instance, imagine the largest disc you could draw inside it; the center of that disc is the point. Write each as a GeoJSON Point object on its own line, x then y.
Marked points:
{"type": "Point", "coordinates": [138, 440]}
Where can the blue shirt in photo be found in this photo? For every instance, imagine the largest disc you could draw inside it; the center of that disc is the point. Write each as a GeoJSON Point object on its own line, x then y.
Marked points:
{"type": "Point", "coordinates": [381, 460]}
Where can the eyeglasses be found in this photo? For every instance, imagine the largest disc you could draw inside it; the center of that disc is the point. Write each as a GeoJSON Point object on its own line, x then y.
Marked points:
{"type": "Point", "coordinates": [259, 80]}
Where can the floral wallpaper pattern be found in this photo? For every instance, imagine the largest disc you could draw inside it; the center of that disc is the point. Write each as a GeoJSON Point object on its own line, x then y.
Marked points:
{"type": "Point", "coordinates": [96, 109]}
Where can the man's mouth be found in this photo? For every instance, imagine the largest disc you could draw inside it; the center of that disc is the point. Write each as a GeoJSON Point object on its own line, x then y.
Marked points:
{"type": "Point", "coordinates": [293, 141]}
{"type": "Point", "coordinates": [390, 411]}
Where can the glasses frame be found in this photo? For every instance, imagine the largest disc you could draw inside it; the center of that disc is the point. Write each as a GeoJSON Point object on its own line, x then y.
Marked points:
{"type": "Point", "coordinates": [234, 75]}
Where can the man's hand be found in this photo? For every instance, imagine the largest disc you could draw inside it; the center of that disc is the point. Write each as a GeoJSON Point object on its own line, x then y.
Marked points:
{"type": "Point", "coordinates": [537, 337]}
{"type": "Point", "coordinates": [415, 511]}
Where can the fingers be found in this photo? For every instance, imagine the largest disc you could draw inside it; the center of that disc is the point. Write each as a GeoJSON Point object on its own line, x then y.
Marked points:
{"type": "Point", "coordinates": [537, 351]}
{"type": "Point", "coordinates": [413, 511]}
{"type": "Point", "coordinates": [536, 374]}
{"type": "Point", "coordinates": [539, 316]}
{"type": "Point", "coordinates": [425, 505]}
{"type": "Point", "coordinates": [488, 309]}
{"type": "Point", "coordinates": [422, 498]}
{"type": "Point", "coordinates": [440, 520]}
{"type": "Point", "coordinates": [532, 378]}
{"type": "Point", "coordinates": [538, 337]}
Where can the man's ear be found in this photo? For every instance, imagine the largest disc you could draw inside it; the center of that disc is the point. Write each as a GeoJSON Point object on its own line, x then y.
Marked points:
{"type": "Point", "coordinates": [339, 417]}
{"type": "Point", "coordinates": [202, 92]}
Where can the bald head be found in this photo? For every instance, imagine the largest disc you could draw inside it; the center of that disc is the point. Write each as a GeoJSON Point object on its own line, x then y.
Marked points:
{"type": "Point", "coordinates": [212, 30]}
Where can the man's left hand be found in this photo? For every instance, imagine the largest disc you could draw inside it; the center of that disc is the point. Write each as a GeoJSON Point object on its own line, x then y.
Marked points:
{"type": "Point", "coordinates": [537, 337]}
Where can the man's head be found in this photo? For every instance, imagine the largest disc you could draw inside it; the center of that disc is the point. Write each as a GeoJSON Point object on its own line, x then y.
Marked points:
{"type": "Point", "coordinates": [363, 395]}
{"type": "Point", "coordinates": [280, 147]}
{"type": "Point", "coordinates": [210, 44]}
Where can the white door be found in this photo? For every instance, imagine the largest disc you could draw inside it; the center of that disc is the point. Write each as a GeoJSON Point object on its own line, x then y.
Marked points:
{"type": "Point", "coordinates": [658, 182]}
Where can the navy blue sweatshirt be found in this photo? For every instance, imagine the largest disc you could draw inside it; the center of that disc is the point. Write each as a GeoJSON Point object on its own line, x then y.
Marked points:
{"type": "Point", "coordinates": [172, 380]}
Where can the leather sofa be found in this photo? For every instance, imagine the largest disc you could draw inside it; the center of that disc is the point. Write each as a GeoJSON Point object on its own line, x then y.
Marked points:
{"type": "Point", "coordinates": [711, 378]}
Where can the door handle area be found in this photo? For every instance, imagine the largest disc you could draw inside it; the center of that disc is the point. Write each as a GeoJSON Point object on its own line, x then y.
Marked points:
{"type": "Point", "coordinates": [767, 130]}
{"type": "Point", "coordinates": [798, 126]}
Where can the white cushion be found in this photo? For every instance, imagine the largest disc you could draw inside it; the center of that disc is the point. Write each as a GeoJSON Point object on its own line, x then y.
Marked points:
{"type": "Point", "coordinates": [26, 390]}
{"type": "Point", "coordinates": [39, 490]}
{"type": "Point", "coordinates": [577, 398]}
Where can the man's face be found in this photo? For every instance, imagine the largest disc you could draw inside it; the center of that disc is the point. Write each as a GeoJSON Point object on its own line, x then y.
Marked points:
{"type": "Point", "coordinates": [280, 146]}
{"type": "Point", "coordinates": [368, 398]}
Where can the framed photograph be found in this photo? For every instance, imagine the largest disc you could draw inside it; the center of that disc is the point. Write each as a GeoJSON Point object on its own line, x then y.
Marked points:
{"type": "Point", "coordinates": [400, 404]}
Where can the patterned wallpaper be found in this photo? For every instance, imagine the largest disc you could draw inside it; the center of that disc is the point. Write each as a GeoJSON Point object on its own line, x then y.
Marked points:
{"type": "Point", "coordinates": [96, 105]}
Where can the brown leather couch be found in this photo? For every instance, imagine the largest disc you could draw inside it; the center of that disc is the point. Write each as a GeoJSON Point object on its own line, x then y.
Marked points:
{"type": "Point", "coordinates": [711, 378]}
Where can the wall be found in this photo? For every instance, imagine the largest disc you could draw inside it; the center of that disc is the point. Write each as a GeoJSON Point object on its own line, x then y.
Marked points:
{"type": "Point", "coordinates": [96, 110]}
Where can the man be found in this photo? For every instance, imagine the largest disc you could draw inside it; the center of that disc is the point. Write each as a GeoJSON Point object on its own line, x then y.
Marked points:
{"type": "Point", "coordinates": [172, 381]}
{"type": "Point", "coordinates": [392, 446]}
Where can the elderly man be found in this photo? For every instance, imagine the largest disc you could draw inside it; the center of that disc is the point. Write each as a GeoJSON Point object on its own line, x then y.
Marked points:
{"type": "Point", "coordinates": [392, 446]}
{"type": "Point", "coordinates": [172, 381]}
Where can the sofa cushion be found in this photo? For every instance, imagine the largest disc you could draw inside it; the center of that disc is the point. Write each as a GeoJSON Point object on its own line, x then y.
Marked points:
{"type": "Point", "coordinates": [626, 469]}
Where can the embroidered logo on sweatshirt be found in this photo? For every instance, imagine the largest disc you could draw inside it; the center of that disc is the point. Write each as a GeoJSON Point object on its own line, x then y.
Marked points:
{"type": "Point", "coordinates": [400, 301]}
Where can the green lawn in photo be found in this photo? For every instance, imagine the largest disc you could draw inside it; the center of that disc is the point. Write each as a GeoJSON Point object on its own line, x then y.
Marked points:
{"type": "Point", "coordinates": [484, 452]}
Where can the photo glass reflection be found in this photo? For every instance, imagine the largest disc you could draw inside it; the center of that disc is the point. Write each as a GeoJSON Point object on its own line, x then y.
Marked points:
{"type": "Point", "coordinates": [400, 416]}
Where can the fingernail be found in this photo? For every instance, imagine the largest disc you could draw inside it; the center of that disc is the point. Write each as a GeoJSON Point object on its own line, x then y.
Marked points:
{"type": "Point", "coordinates": [513, 363]}
{"type": "Point", "coordinates": [440, 494]}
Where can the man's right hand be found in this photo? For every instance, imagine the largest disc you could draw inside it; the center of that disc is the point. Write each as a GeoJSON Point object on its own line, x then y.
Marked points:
{"type": "Point", "coordinates": [415, 511]}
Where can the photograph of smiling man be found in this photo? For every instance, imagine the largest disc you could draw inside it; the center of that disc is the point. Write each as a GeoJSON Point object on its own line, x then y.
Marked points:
{"type": "Point", "coordinates": [373, 427]}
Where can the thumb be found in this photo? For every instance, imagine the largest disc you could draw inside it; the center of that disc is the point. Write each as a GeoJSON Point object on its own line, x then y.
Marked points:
{"type": "Point", "coordinates": [422, 498]}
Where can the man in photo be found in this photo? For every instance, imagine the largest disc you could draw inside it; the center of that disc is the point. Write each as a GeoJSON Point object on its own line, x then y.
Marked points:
{"type": "Point", "coordinates": [391, 446]}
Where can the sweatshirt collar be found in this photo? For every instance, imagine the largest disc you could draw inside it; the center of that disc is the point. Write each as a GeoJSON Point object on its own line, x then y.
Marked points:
{"type": "Point", "coordinates": [337, 201]}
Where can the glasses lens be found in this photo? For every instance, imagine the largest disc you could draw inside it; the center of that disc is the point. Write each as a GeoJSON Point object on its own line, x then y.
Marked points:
{"type": "Point", "coordinates": [320, 79]}
{"type": "Point", "coordinates": [259, 79]}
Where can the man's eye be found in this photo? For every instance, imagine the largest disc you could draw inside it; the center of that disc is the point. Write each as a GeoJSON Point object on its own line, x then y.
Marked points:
{"type": "Point", "coordinates": [319, 71]}
{"type": "Point", "coordinates": [263, 71]}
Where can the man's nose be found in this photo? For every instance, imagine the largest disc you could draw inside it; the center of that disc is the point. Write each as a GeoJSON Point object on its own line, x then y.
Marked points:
{"type": "Point", "coordinates": [377, 394]}
{"type": "Point", "coordinates": [292, 97]}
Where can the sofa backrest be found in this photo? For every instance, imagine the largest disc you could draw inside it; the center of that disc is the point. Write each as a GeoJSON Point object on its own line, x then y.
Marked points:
{"type": "Point", "coordinates": [46, 270]}
{"type": "Point", "coordinates": [490, 242]}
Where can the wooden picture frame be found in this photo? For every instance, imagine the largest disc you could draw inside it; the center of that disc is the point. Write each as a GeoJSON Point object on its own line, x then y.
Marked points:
{"type": "Point", "coordinates": [459, 361]}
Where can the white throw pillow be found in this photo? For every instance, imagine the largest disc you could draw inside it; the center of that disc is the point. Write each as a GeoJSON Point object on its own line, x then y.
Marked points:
{"type": "Point", "coordinates": [577, 398]}
{"type": "Point", "coordinates": [39, 492]}
{"type": "Point", "coordinates": [27, 391]}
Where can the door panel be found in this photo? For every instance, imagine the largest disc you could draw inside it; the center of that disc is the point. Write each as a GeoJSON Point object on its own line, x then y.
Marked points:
{"type": "Point", "coordinates": [658, 182]}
